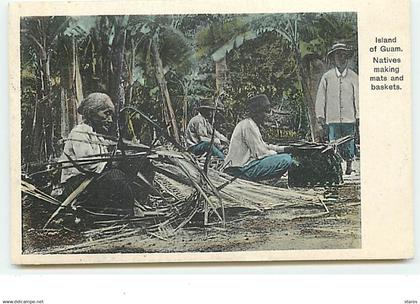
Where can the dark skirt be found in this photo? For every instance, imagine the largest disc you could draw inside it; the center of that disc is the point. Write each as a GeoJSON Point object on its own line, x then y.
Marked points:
{"type": "Point", "coordinates": [109, 194]}
{"type": "Point", "coordinates": [114, 191]}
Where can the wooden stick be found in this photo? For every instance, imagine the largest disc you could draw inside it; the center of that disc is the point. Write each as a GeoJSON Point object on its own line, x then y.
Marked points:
{"type": "Point", "coordinates": [325, 206]}
{"type": "Point", "coordinates": [93, 244]}
{"type": "Point", "coordinates": [157, 236]}
{"type": "Point", "coordinates": [212, 187]}
{"type": "Point", "coordinates": [189, 217]}
{"type": "Point", "coordinates": [70, 199]}
{"type": "Point", "coordinates": [35, 192]}
{"type": "Point", "coordinates": [310, 215]}
{"type": "Point", "coordinates": [198, 188]}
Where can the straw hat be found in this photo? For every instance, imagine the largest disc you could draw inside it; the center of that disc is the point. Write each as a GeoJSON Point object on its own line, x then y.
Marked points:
{"type": "Point", "coordinates": [208, 103]}
{"type": "Point", "coordinates": [340, 47]}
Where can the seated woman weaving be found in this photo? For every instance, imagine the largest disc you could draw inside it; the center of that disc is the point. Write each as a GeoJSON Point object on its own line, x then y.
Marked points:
{"type": "Point", "coordinates": [110, 191]}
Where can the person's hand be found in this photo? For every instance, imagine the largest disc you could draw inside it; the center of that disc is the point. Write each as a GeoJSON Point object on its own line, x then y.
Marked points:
{"type": "Point", "coordinates": [225, 141]}
{"type": "Point", "coordinates": [322, 131]}
{"type": "Point", "coordinates": [288, 149]}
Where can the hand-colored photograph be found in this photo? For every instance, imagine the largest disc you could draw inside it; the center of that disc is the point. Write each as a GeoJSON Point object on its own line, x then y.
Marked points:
{"type": "Point", "coordinates": [189, 133]}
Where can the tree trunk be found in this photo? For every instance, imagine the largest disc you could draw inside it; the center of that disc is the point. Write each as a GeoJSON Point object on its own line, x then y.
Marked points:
{"type": "Point", "coordinates": [117, 60]}
{"type": "Point", "coordinates": [131, 71]}
{"type": "Point", "coordinates": [43, 122]}
{"type": "Point", "coordinates": [132, 65]}
{"type": "Point", "coordinates": [71, 87]}
{"type": "Point", "coordinates": [118, 47]}
{"type": "Point", "coordinates": [39, 112]}
{"type": "Point", "coordinates": [160, 76]}
{"type": "Point", "coordinates": [65, 125]}
{"type": "Point", "coordinates": [316, 69]}
{"type": "Point", "coordinates": [77, 95]}
{"type": "Point", "coordinates": [36, 133]}
{"type": "Point", "coordinates": [184, 112]}
{"type": "Point", "coordinates": [310, 100]}
{"type": "Point", "coordinates": [49, 109]}
{"type": "Point", "coordinates": [221, 74]}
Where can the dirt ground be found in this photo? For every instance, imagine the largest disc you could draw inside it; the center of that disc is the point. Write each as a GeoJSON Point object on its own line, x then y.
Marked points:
{"type": "Point", "coordinates": [292, 227]}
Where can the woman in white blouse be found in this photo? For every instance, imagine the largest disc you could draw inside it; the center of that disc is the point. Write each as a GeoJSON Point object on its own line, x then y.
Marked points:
{"type": "Point", "coordinates": [110, 191]}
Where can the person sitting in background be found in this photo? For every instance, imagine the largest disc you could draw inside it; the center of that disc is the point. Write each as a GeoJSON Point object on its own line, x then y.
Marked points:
{"type": "Point", "coordinates": [110, 190]}
{"type": "Point", "coordinates": [199, 131]}
{"type": "Point", "coordinates": [249, 157]}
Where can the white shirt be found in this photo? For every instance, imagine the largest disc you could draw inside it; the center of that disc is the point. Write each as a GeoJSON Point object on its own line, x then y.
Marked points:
{"type": "Point", "coordinates": [247, 145]}
{"type": "Point", "coordinates": [337, 100]}
{"type": "Point", "coordinates": [199, 129]}
{"type": "Point", "coordinates": [81, 143]}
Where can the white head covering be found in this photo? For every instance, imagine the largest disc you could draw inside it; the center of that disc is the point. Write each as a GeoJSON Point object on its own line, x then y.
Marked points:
{"type": "Point", "coordinates": [94, 102]}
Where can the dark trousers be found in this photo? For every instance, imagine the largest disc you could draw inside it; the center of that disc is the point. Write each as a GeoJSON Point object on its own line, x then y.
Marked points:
{"type": "Point", "coordinates": [338, 130]}
{"type": "Point", "coordinates": [203, 147]}
{"type": "Point", "coordinates": [272, 166]}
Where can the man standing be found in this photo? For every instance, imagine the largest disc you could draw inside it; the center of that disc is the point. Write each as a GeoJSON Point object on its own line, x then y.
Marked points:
{"type": "Point", "coordinates": [337, 101]}
{"type": "Point", "coordinates": [249, 157]}
{"type": "Point", "coordinates": [199, 131]}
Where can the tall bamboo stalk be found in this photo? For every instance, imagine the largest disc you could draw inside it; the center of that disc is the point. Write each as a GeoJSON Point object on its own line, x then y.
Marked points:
{"type": "Point", "coordinates": [160, 76]}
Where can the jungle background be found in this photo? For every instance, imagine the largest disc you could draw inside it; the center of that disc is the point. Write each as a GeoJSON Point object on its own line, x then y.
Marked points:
{"type": "Point", "coordinates": [164, 64]}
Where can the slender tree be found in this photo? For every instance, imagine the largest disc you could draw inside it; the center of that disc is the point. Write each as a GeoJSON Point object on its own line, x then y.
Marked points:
{"type": "Point", "coordinates": [42, 34]}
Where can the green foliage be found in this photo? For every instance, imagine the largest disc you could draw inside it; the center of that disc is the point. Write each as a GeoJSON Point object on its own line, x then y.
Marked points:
{"type": "Point", "coordinates": [323, 30]}
{"type": "Point", "coordinates": [263, 65]}
{"type": "Point", "coordinates": [259, 49]}
{"type": "Point", "coordinates": [218, 33]}
{"type": "Point", "coordinates": [81, 26]}
{"type": "Point", "coordinates": [176, 51]}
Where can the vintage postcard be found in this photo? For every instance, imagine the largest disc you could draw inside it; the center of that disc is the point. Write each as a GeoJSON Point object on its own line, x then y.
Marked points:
{"type": "Point", "coordinates": [181, 131]}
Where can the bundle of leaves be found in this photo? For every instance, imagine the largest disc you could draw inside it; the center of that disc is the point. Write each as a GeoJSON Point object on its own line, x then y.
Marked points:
{"type": "Point", "coordinates": [315, 168]}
